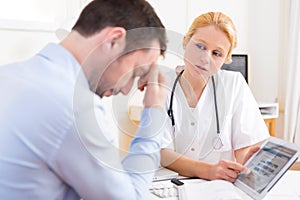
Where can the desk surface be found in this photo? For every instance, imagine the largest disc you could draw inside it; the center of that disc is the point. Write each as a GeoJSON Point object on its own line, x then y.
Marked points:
{"type": "Point", "coordinates": [286, 188]}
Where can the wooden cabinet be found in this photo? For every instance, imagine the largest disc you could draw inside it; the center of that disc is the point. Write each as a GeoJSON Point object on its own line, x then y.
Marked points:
{"type": "Point", "coordinates": [270, 112]}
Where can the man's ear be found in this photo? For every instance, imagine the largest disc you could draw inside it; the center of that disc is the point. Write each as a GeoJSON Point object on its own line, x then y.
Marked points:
{"type": "Point", "coordinates": [116, 37]}
{"type": "Point", "coordinates": [111, 40]}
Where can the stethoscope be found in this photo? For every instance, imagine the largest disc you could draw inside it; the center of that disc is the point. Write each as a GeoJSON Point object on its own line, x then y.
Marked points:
{"type": "Point", "coordinates": [217, 142]}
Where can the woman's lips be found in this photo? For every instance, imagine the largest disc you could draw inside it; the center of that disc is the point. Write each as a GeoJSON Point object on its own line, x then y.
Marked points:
{"type": "Point", "coordinates": [202, 68]}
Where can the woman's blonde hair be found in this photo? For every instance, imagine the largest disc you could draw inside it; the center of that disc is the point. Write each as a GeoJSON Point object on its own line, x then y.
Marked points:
{"type": "Point", "coordinates": [219, 20]}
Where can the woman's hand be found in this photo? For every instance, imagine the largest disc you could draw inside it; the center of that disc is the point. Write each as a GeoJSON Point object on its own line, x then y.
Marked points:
{"type": "Point", "coordinates": [251, 151]}
{"type": "Point", "coordinates": [226, 170]}
{"type": "Point", "coordinates": [242, 155]}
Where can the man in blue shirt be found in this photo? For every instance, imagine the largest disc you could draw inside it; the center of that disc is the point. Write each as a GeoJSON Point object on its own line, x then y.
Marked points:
{"type": "Point", "coordinates": [54, 143]}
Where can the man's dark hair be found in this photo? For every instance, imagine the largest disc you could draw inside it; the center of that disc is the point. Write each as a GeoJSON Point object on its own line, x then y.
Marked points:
{"type": "Point", "coordinates": [129, 14]}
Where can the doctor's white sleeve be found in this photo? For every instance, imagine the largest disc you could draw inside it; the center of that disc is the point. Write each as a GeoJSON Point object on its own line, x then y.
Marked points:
{"type": "Point", "coordinates": [249, 127]}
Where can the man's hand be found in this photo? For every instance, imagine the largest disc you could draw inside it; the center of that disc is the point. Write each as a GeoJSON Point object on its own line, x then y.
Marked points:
{"type": "Point", "coordinates": [156, 89]}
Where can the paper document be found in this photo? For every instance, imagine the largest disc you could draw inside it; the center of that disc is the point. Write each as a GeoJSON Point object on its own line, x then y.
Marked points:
{"type": "Point", "coordinates": [214, 190]}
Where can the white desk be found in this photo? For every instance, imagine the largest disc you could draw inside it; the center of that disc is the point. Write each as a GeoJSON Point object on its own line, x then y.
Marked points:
{"type": "Point", "coordinates": [286, 188]}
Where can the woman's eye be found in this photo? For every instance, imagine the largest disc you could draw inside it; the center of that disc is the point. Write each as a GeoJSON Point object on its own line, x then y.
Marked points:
{"type": "Point", "coordinates": [201, 46]}
{"type": "Point", "coordinates": [218, 53]}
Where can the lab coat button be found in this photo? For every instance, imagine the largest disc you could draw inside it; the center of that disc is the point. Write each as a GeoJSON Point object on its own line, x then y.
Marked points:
{"type": "Point", "coordinates": [192, 149]}
{"type": "Point", "coordinates": [192, 123]}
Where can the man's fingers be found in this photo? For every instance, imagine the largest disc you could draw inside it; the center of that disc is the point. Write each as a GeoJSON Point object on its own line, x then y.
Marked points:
{"type": "Point", "coordinates": [153, 75]}
{"type": "Point", "coordinates": [150, 77]}
{"type": "Point", "coordinates": [156, 93]}
{"type": "Point", "coordinates": [142, 82]}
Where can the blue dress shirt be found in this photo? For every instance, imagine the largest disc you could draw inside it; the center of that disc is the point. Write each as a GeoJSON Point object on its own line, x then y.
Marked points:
{"type": "Point", "coordinates": [54, 143]}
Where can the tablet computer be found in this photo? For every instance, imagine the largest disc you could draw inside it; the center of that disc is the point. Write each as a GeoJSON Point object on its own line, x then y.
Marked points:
{"type": "Point", "coordinates": [267, 166]}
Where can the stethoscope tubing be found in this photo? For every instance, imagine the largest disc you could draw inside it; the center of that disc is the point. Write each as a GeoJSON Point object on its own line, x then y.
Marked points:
{"type": "Point", "coordinates": [170, 109]}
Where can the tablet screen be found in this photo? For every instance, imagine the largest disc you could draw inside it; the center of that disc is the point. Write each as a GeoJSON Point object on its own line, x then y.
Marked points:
{"type": "Point", "coordinates": [266, 165]}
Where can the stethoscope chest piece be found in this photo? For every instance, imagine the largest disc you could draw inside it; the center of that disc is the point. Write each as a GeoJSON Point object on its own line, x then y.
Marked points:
{"type": "Point", "coordinates": [217, 143]}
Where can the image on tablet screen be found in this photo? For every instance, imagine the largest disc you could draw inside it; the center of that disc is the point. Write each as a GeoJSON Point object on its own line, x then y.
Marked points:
{"type": "Point", "coordinates": [266, 165]}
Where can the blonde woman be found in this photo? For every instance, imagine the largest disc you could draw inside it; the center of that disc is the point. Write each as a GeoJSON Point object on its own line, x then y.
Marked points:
{"type": "Point", "coordinates": [215, 123]}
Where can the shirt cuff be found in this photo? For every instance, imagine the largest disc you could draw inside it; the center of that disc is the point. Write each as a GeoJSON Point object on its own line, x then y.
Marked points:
{"type": "Point", "coordinates": [152, 123]}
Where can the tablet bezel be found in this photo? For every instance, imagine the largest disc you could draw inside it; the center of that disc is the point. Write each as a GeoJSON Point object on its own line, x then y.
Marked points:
{"type": "Point", "coordinates": [252, 192]}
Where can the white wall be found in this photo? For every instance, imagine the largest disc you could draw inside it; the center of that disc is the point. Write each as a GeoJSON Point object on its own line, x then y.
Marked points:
{"type": "Point", "coordinates": [239, 13]}
{"type": "Point", "coordinates": [265, 47]}
{"type": "Point", "coordinates": [178, 16]}
{"type": "Point", "coordinates": [26, 26]}
{"type": "Point", "coordinates": [260, 26]}
{"type": "Point", "coordinates": [173, 15]}
{"type": "Point", "coordinates": [19, 45]}
{"type": "Point", "coordinates": [260, 35]}
{"type": "Point", "coordinates": [257, 22]}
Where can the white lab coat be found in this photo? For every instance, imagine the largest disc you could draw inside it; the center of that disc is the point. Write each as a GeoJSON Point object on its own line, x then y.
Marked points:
{"type": "Point", "coordinates": [241, 123]}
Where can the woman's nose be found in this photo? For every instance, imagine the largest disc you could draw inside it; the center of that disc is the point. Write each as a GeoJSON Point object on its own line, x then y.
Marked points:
{"type": "Point", "coordinates": [204, 57]}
